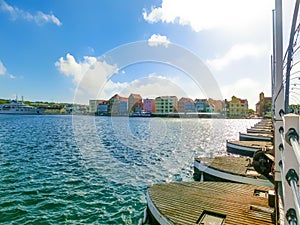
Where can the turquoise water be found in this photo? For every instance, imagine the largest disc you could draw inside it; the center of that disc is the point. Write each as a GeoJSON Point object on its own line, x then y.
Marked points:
{"type": "Point", "coordinates": [95, 170]}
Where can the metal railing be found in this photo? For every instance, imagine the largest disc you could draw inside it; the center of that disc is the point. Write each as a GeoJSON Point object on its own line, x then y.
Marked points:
{"type": "Point", "coordinates": [289, 165]}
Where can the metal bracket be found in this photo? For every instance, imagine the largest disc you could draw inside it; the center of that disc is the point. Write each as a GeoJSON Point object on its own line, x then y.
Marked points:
{"type": "Point", "coordinates": [291, 133]}
{"type": "Point", "coordinates": [291, 175]}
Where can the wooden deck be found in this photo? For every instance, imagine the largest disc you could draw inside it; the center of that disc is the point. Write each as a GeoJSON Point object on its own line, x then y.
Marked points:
{"type": "Point", "coordinates": [233, 165]}
{"type": "Point", "coordinates": [243, 200]}
{"type": "Point", "coordinates": [227, 168]}
{"type": "Point", "coordinates": [260, 130]}
{"type": "Point", "coordinates": [255, 137]}
{"type": "Point", "coordinates": [228, 203]}
{"type": "Point", "coordinates": [248, 148]}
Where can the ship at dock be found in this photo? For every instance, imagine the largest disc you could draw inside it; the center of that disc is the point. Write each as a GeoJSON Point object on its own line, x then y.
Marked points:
{"type": "Point", "coordinates": [19, 108]}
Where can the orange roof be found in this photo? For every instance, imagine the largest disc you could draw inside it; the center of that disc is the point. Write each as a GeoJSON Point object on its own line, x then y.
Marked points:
{"type": "Point", "coordinates": [136, 95]}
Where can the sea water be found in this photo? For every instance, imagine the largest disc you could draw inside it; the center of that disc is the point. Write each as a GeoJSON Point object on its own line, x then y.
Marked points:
{"type": "Point", "coordinates": [63, 169]}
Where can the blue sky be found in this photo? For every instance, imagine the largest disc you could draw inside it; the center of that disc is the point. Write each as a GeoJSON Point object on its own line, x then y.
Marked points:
{"type": "Point", "coordinates": [47, 47]}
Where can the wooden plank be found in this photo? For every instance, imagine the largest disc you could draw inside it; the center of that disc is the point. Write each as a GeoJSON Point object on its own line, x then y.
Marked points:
{"type": "Point", "coordinates": [254, 144]}
{"type": "Point", "coordinates": [183, 203]}
{"type": "Point", "coordinates": [228, 164]}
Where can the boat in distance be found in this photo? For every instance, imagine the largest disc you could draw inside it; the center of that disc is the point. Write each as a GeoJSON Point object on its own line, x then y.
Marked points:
{"type": "Point", "coordinates": [17, 107]}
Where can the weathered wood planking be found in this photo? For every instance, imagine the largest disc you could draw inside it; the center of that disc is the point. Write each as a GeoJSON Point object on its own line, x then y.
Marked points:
{"type": "Point", "coordinates": [183, 203]}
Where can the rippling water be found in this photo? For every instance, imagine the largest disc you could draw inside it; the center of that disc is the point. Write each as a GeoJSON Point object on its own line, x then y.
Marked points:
{"type": "Point", "coordinates": [95, 170]}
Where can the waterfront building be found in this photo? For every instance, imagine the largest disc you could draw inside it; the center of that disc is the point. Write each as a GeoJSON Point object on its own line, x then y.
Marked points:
{"type": "Point", "coordinates": [218, 105]}
{"type": "Point", "coordinates": [186, 105]}
{"type": "Point", "coordinates": [123, 107]}
{"type": "Point", "coordinates": [210, 108]}
{"type": "Point", "coordinates": [135, 103]}
{"type": "Point", "coordinates": [264, 105]}
{"type": "Point", "coordinates": [73, 109]}
{"type": "Point", "coordinates": [166, 104]}
{"type": "Point", "coordinates": [102, 108]}
{"type": "Point", "coordinates": [238, 108]}
{"type": "Point", "coordinates": [200, 105]}
{"type": "Point", "coordinates": [118, 105]}
{"type": "Point", "coordinates": [149, 105]}
{"type": "Point", "coordinates": [93, 105]}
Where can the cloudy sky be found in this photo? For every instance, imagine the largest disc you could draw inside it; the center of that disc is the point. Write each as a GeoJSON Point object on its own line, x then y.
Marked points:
{"type": "Point", "coordinates": [65, 50]}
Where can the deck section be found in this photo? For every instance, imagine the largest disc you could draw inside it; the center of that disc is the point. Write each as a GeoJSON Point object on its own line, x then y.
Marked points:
{"type": "Point", "coordinates": [267, 145]}
{"type": "Point", "coordinates": [248, 148]}
{"type": "Point", "coordinates": [260, 130]}
{"type": "Point", "coordinates": [232, 192]}
{"type": "Point", "coordinates": [263, 126]}
{"type": "Point", "coordinates": [232, 165]}
{"type": "Point", "coordinates": [227, 168]}
{"type": "Point", "coordinates": [255, 137]}
{"type": "Point", "coordinates": [184, 203]}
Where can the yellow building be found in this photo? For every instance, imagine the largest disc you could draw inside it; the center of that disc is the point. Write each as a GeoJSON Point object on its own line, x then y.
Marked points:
{"type": "Point", "coordinates": [238, 108]}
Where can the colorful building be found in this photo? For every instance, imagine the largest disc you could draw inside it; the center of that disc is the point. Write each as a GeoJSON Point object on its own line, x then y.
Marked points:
{"type": "Point", "coordinates": [186, 105]}
{"type": "Point", "coordinates": [166, 104]}
{"type": "Point", "coordinates": [102, 108]}
{"type": "Point", "coordinates": [218, 105]}
{"type": "Point", "coordinates": [135, 103]}
{"type": "Point", "coordinates": [149, 105]}
{"type": "Point", "coordinates": [238, 108]}
{"type": "Point", "coordinates": [200, 105]}
{"type": "Point", "coordinates": [118, 105]}
{"type": "Point", "coordinates": [264, 105]}
{"type": "Point", "coordinates": [93, 105]}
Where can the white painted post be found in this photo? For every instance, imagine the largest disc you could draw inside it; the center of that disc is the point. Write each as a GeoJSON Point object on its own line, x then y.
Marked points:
{"type": "Point", "coordinates": [291, 164]}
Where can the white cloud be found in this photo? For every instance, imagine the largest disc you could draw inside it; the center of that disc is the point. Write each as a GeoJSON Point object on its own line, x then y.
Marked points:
{"type": "Point", "coordinates": [12, 76]}
{"type": "Point", "coordinates": [157, 39]}
{"type": "Point", "coordinates": [202, 14]}
{"type": "Point", "coordinates": [111, 88]}
{"type": "Point", "coordinates": [40, 17]}
{"type": "Point", "coordinates": [2, 69]}
{"type": "Point", "coordinates": [236, 53]}
{"type": "Point", "coordinates": [89, 75]}
{"type": "Point", "coordinates": [70, 67]}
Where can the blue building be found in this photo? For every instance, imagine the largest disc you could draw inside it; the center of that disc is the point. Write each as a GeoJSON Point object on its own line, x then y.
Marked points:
{"type": "Point", "coordinates": [200, 105]}
{"type": "Point", "coordinates": [102, 107]}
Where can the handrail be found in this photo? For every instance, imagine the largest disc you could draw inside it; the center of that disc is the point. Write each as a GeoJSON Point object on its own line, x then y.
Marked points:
{"type": "Point", "coordinates": [293, 139]}
{"type": "Point", "coordinates": [289, 166]}
{"type": "Point", "coordinates": [292, 178]}
{"type": "Point", "coordinates": [281, 132]}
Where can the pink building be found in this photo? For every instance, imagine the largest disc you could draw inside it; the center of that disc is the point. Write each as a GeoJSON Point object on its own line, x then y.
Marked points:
{"type": "Point", "coordinates": [149, 105]}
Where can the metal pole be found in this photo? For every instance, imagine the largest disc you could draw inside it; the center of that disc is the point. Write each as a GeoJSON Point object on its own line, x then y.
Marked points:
{"type": "Point", "coordinates": [277, 98]}
{"type": "Point", "coordinates": [296, 147]}
{"type": "Point", "coordinates": [272, 86]}
{"type": "Point", "coordinates": [292, 178]}
{"type": "Point", "coordinates": [296, 196]}
{"type": "Point", "coordinates": [273, 63]}
{"type": "Point", "coordinates": [289, 58]}
{"type": "Point", "coordinates": [278, 57]}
